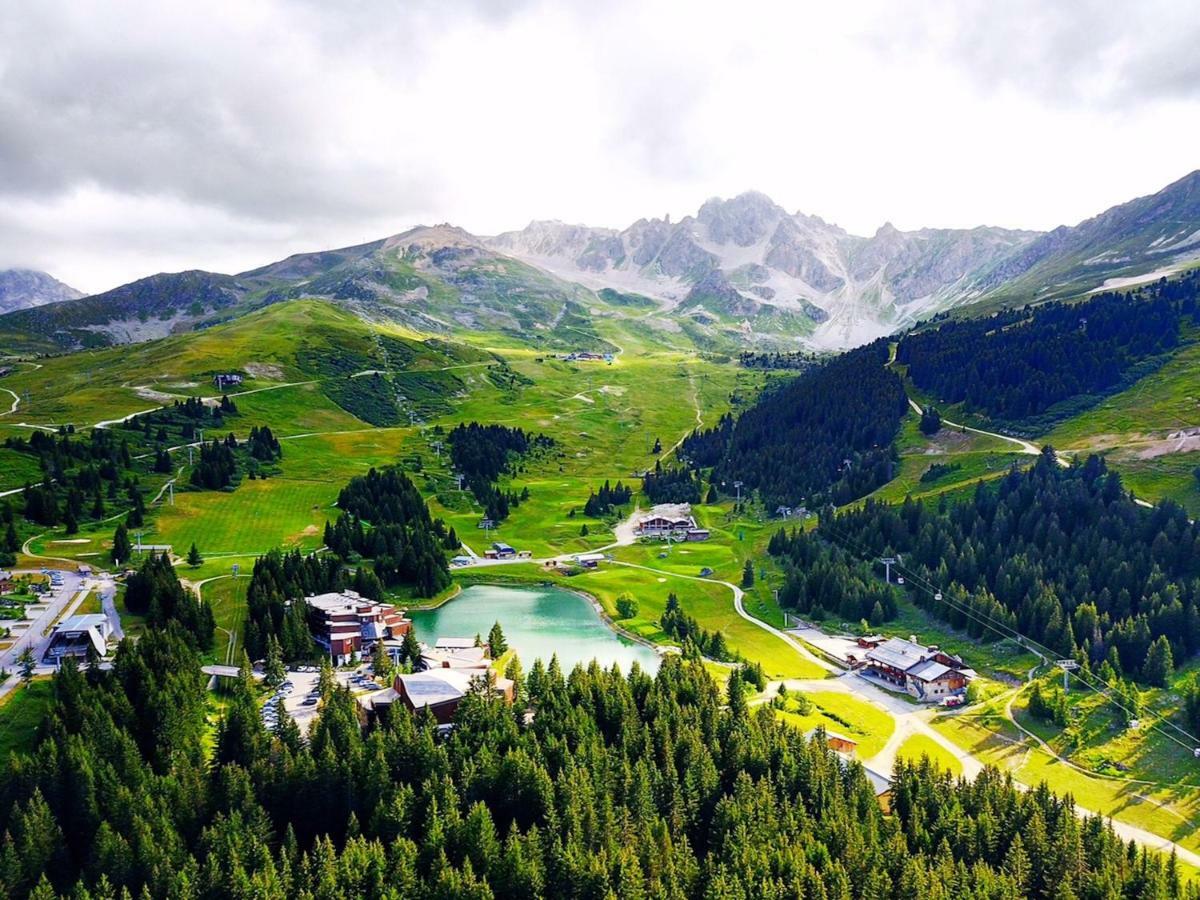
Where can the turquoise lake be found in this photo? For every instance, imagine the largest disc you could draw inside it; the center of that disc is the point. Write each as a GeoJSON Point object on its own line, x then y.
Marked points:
{"type": "Point", "coordinates": [537, 622]}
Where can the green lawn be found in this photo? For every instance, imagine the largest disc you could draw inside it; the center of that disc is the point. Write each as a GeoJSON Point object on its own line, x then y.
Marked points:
{"type": "Point", "coordinates": [1165, 811]}
{"type": "Point", "coordinates": [851, 716]}
{"type": "Point", "coordinates": [21, 714]}
{"type": "Point", "coordinates": [228, 598]}
{"type": "Point", "coordinates": [919, 745]}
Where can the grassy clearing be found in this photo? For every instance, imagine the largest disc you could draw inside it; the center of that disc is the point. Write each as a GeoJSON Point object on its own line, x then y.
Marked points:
{"type": "Point", "coordinates": [227, 595]}
{"type": "Point", "coordinates": [1169, 812]}
{"type": "Point", "coordinates": [17, 469]}
{"type": "Point", "coordinates": [21, 714]}
{"type": "Point", "coordinates": [866, 723]}
{"type": "Point", "coordinates": [1095, 738]}
{"type": "Point", "coordinates": [919, 745]}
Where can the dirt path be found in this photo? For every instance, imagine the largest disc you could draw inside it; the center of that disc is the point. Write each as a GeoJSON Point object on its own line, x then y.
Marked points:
{"type": "Point", "coordinates": [16, 402]}
{"type": "Point", "coordinates": [1025, 446]}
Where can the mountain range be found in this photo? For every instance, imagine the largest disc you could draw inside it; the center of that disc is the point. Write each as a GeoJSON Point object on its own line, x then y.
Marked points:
{"type": "Point", "coordinates": [741, 272]}
{"type": "Point", "coordinates": [23, 288]}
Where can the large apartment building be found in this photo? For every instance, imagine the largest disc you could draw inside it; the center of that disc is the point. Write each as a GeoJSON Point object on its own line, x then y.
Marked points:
{"type": "Point", "coordinates": [345, 623]}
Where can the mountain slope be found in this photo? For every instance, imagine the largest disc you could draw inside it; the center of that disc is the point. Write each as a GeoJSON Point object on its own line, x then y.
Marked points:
{"type": "Point", "coordinates": [141, 310]}
{"type": "Point", "coordinates": [740, 272]}
{"type": "Point", "coordinates": [1134, 241]}
{"type": "Point", "coordinates": [746, 257]}
{"type": "Point", "coordinates": [435, 280]}
{"type": "Point", "coordinates": [24, 288]}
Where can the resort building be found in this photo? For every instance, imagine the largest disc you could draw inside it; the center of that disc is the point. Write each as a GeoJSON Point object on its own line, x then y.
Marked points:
{"type": "Point", "coordinates": [670, 521]}
{"type": "Point", "coordinates": [441, 690]}
{"type": "Point", "coordinates": [73, 637]}
{"type": "Point", "coordinates": [455, 653]}
{"type": "Point", "coordinates": [924, 672]}
{"type": "Point", "coordinates": [345, 623]}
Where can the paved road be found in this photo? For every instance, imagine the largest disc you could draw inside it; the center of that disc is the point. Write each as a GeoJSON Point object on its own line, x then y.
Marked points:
{"type": "Point", "coordinates": [63, 600]}
{"type": "Point", "coordinates": [738, 595]}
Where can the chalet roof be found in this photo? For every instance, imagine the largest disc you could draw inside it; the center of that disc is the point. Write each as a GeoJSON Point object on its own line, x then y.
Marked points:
{"type": "Point", "coordinates": [83, 623]}
{"type": "Point", "coordinates": [898, 654]}
{"type": "Point", "coordinates": [880, 783]}
{"type": "Point", "coordinates": [831, 735]}
{"type": "Point", "coordinates": [930, 670]}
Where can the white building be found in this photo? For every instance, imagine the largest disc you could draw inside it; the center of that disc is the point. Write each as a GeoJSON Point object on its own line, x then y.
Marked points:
{"type": "Point", "coordinates": [74, 635]}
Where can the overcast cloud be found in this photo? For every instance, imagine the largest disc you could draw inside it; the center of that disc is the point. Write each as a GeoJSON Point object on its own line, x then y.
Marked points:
{"type": "Point", "coordinates": [138, 137]}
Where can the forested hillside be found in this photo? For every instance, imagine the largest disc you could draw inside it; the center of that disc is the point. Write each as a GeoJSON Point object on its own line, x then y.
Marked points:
{"type": "Point", "coordinates": [617, 787]}
{"type": "Point", "coordinates": [823, 437]}
{"type": "Point", "coordinates": [1061, 554]}
{"type": "Point", "coordinates": [1018, 364]}
{"type": "Point", "coordinates": [384, 521]}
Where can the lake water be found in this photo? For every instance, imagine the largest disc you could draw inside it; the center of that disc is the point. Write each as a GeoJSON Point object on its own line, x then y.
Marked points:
{"type": "Point", "coordinates": [537, 622]}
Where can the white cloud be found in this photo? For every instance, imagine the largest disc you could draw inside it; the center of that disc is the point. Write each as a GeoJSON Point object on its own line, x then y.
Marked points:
{"type": "Point", "coordinates": [155, 136]}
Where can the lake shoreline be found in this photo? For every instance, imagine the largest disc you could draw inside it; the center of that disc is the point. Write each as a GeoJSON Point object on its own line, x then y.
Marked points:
{"type": "Point", "coordinates": [592, 601]}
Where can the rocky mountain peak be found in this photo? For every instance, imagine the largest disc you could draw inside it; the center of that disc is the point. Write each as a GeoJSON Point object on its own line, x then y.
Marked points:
{"type": "Point", "coordinates": [25, 288]}
{"type": "Point", "coordinates": [743, 220]}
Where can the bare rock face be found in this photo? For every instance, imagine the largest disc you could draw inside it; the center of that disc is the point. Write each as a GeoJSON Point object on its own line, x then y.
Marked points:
{"type": "Point", "coordinates": [789, 253]}
{"type": "Point", "coordinates": [745, 220]}
{"type": "Point", "coordinates": [770, 257]}
{"type": "Point", "coordinates": [25, 288]}
{"type": "Point", "coordinates": [715, 293]}
{"type": "Point", "coordinates": [682, 257]}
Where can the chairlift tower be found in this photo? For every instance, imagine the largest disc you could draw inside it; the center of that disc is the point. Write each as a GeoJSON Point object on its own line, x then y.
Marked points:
{"type": "Point", "coordinates": [888, 562]}
{"type": "Point", "coordinates": [1068, 666]}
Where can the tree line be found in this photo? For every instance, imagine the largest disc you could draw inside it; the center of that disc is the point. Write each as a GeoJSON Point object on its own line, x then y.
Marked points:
{"type": "Point", "coordinates": [1062, 554]}
{"type": "Point", "coordinates": [671, 484]}
{"type": "Point", "coordinates": [821, 579]}
{"type": "Point", "coordinates": [385, 521]}
{"type": "Point", "coordinates": [482, 453]}
{"type": "Point", "coordinates": [154, 591]}
{"type": "Point", "coordinates": [618, 786]}
{"type": "Point", "coordinates": [826, 436]}
{"type": "Point", "coordinates": [81, 477]}
{"type": "Point", "coordinates": [602, 502]}
{"type": "Point", "coordinates": [1018, 364]}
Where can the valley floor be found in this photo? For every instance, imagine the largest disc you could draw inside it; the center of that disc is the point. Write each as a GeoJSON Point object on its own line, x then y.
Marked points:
{"type": "Point", "coordinates": [605, 419]}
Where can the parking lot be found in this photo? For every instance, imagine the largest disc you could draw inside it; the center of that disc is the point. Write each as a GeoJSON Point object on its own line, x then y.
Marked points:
{"type": "Point", "coordinates": [301, 699]}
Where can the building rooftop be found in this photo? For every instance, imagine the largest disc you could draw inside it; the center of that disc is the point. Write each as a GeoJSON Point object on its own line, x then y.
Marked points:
{"type": "Point", "coordinates": [899, 654]}
{"type": "Point", "coordinates": [336, 601]}
{"type": "Point", "coordinates": [930, 670]}
{"type": "Point", "coordinates": [454, 643]}
{"type": "Point", "coordinates": [83, 623]}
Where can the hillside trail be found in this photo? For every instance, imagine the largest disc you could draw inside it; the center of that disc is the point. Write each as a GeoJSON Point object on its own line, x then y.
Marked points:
{"type": "Point", "coordinates": [738, 595]}
{"type": "Point", "coordinates": [1025, 446]}
{"type": "Point", "coordinates": [16, 402]}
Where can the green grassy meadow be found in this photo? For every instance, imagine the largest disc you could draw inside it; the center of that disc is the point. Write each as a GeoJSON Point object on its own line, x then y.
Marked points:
{"type": "Point", "coordinates": [21, 714]}
{"type": "Point", "coordinates": [847, 715]}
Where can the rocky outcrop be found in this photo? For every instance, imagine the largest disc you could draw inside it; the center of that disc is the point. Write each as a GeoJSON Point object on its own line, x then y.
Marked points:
{"type": "Point", "coordinates": [25, 288]}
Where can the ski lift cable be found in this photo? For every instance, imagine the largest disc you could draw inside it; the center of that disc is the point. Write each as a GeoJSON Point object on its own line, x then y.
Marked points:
{"type": "Point", "coordinates": [1037, 647]}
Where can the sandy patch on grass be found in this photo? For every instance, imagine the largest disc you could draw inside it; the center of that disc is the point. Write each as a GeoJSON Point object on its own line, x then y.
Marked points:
{"type": "Point", "coordinates": [264, 370]}
{"type": "Point", "coordinates": [1184, 441]}
{"type": "Point", "coordinates": [149, 393]}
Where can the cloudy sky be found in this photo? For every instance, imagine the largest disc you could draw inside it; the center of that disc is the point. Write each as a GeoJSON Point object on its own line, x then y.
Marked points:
{"type": "Point", "coordinates": [138, 137]}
